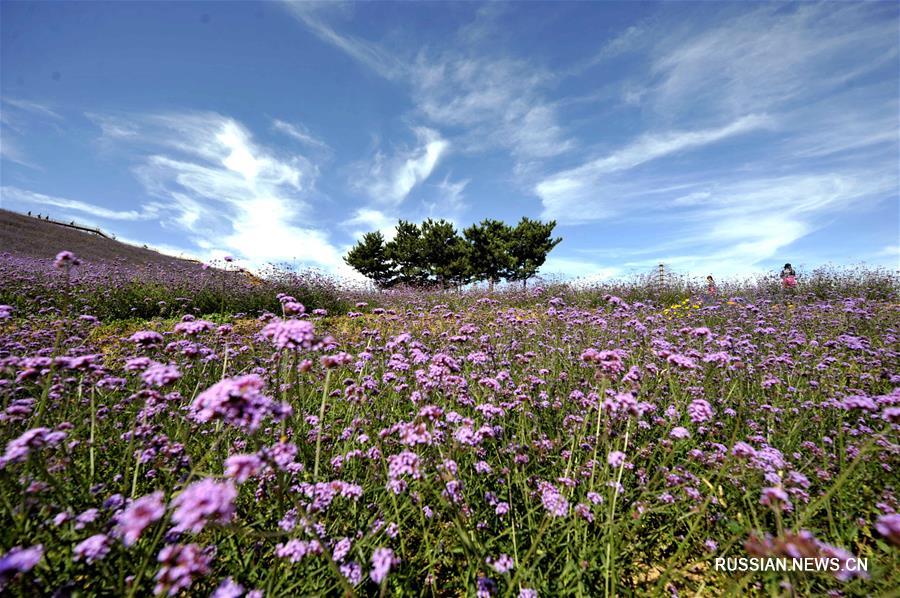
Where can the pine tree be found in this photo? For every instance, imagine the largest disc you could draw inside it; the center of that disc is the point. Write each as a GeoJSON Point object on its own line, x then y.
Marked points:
{"type": "Point", "coordinates": [405, 251]}
{"type": "Point", "coordinates": [444, 253]}
{"type": "Point", "coordinates": [531, 242]}
{"type": "Point", "coordinates": [369, 258]}
{"type": "Point", "coordinates": [489, 252]}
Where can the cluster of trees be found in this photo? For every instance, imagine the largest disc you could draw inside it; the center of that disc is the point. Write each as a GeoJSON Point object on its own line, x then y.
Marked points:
{"type": "Point", "coordinates": [434, 254]}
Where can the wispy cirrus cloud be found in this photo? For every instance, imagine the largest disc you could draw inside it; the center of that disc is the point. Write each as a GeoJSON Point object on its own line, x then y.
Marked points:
{"type": "Point", "coordinates": [33, 107]}
{"type": "Point", "coordinates": [18, 118]}
{"type": "Point", "coordinates": [735, 226]}
{"type": "Point", "coordinates": [231, 194]}
{"type": "Point", "coordinates": [367, 219]}
{"type": "Point", "coordinates": [487, 100]}
{"type": "Point", "coordinates": [299, 133]}
{"type": "Point", "coordinates": [491, 101]}
{"type": "Point", "coordinates": [446, 200]}
{"type": "Point", "coordinates": [314, 16]}
{"type": "Point", "coordinates": [31, 198]}
{"type": "Point", "coordinates": [575, 195]}
{"type": "Point", "coordinates": [768, 57]}
{"type": "Point", "coordinates": [388, 179]}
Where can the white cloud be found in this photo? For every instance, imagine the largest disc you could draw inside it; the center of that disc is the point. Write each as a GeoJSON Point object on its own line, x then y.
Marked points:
{"type": "Point", "coordinates": [447, 202]}
{"type": "Point", "coordinates": [573, 195]}
{"type": "Point", "coordinates": [492, 101]}
{"type": "Point", "coordinates": [369, 54]}
{"type": "Point", "coordinates": [299, 133]}
{"type": "Point", "coordinates": [389, 179]}
{"type": "Point", "coordinates": [33, 107]}
{"type": "Point", "coordinates": [366, 220]}
{"type": "Point", "coordinates": [24, 196]}
{"type": "Point", "coordinates": [769, 56]}
{"type": "Point", "coordinates": [10, 150]}
{"type": "Point", "coordinates": [231, 194]}
{"type": "Point", "coordinates": [497, 102]}
{"type": "Point", "coordinates": [18, 119]}
{"type": "Point", "coordinates": [740, 225]}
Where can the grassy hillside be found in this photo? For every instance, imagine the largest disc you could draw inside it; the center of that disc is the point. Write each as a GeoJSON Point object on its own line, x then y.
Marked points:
{"type": "Point", "coordinates": [27, 236]}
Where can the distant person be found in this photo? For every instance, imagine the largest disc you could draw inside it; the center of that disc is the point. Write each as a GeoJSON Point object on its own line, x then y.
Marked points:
{"type": "Point", "coordinates": [788, 277]}
{"type": "Point", "coordinates": [711, 290]}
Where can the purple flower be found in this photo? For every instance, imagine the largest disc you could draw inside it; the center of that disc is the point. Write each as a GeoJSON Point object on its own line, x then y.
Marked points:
{"type": "Point", "coordinates": [36, 438]}
{"type": "Point", "coordinates": [296, 550]}
{"type": "Point", "coordinates": [194, 327]}
{"type": "Point", "coordinates": [353, 572]}
{"type": "Point", "coordinates": [146, 338]}
{"type": "Point", "coordinates": [88, 516]}
{"type": "Point", "coordinates": [341, 549]}
{"type": "Point", "coordinates": [181, 564]}
{"type": "Point", "coordinates": [290, 334]}
{"type": "Point", "coordinates": [228, 589]}
{"type": "Point", "coordinates": [485, 587]}
{"type": "Point", "coordinates": [776, 498]}
{"type": "Point", "coordinates": [160, 375]}
{"type": "Point", "coordinates": [616, 458]}
{"type": "Point", "coordinates": [554, 502]}
{"type": "Point", "coordinates": [93, 549]}
{"type": "Point", "coordinates": [66, 259]}
{"type": "Point", "coordinates": [742, 449]}
{"type": "Point", "coordinates": [528, 593]}
{"type": "Point", "coordinates": [681, 361]}
{"type": "Point", "coordinates": [502, 564]}
{"type": "Point", "coordinates": [137, 363]}
{"type": "Point", "coordinates": [891, 414]}
{"type": "Point", "coordinates": [238, 401]}
{"type": "Point", "coordinates": [206, 501]}
{"type": "Point", "coordinates": [889, 527]}
{"type": "Point", "coordinates": [610, 362]}
{"type": "Point", "coordinates": [679, 433]}
{"type": "Point", "coordinates": [19, 560]}
{"type": "Point", "coordinates": [132, 521]}
{"type": "Point", "coordinates": [242, 467]}
{"type": "Point", "coordinates": [382, 561]}
{"type": "Point", "coordinates": [859, 402]}
{"type": "Point", "coordinates": [721, 358]}
{"type": "Point", "coordinates": [700, 411]}
{"type": "Point", "coordinates": [405, 463]}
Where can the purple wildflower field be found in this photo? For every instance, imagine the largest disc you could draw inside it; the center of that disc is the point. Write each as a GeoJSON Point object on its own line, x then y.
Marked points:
{"type": "Point", "coordinates": [206, 435]}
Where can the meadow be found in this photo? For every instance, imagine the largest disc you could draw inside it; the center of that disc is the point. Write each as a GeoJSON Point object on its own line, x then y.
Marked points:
{"type": "Point", "coordinates": [200, 432]}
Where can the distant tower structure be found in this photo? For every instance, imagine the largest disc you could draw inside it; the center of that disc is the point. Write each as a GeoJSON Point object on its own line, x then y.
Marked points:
{"type": "Point", "coordinates": [662, 275]}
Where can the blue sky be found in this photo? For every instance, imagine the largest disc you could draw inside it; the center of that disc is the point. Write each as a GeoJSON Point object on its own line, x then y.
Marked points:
{"type": "Point", "coordinates": [721, 138]}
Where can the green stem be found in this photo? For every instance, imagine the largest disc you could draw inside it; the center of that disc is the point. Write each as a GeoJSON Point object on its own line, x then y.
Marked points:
{"type": "Point", "coordinates": [321, 426]}
{"type": "Point", "coordinates": [93, 430]}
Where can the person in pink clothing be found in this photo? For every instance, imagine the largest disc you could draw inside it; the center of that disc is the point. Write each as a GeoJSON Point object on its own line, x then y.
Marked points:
{"type": "Point", "coordinates": [788, 277]}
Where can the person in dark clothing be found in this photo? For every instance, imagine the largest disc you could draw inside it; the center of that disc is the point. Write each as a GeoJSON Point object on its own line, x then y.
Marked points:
{"type": "Point", "coordinates": [788, 277]}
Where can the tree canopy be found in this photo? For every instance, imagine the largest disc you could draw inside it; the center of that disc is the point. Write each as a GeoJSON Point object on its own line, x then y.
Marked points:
{"type": "Point", "coordinates": [435, 254]}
